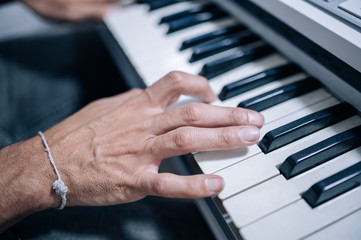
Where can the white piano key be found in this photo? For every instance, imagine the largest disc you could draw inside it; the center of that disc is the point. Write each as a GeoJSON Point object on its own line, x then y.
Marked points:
{"type": "Point", "coordinates": [276, 193]}
{"type": "Point", "coordinates": [173, 55]}
{"type": "Point", "coordinates": [346, 228]}
{"type": "Point", "coordinates": [298, 219]}
{"type": "Point", "coordinates": [260, 200]}
{"type": "Point", "coordinates": [154, 61]}
{"type": "Point", "coordinates": [213, 161]}
{"type": "Point", "coordinates": [137, 41]}
{"type": "Point", "coordinates": [178, 61]}
{"type": "Point", "coordinates": [321, 104]}
{"type": "Point", "coordinates": [236, 74]}
{"type": "Point", "coordinates": [117, 20]}
{"type": "Point", "coordinates": [180, 36]}
{"type": "Point", "coordinates": [167, 65]}
{"type": "Point", "coordinates": [246, 70]}
{"type": "Point", "coordinates": [160, 66]}
{"type": "Point", "coordinates": [129, 36]}
{"type": "Point", "coordinates": [177, 7]}
{"type": "Point", "coordinates": [148, 38]}
{"type": "Point", "coordinates": [245, 174]}
{"type": "Point", "coordinates": [154, 16]}
{"type": "Point", "coordinates": [157, 14]}
{"type": "Point", "coordinates": [144, 33]}
{"type": "Point", "coordinates": [173, 41]}
{"type": "Point", "coordinates": [164, 44]}
{"type": "Point", "coordinates": [295, 104]}
{"type": "Point", "coordinates": [234, 101]}
{"type": "Point", "coordinates": [249, 172]}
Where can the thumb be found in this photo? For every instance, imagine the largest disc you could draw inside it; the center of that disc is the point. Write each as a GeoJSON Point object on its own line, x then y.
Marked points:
{"type": "Point", "coordinates": [175, 186]}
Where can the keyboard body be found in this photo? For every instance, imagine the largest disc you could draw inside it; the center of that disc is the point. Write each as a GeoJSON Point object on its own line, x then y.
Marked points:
{"type": "Point", "coordinates": [258, 202]}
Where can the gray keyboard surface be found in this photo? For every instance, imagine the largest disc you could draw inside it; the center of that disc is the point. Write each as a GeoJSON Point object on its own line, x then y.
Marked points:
{"type": "Point", "coordinates": [348, 11]}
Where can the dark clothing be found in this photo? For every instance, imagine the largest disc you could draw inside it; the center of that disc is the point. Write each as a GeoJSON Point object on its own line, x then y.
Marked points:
{"type": "Point", "coordinates": [44, 79]}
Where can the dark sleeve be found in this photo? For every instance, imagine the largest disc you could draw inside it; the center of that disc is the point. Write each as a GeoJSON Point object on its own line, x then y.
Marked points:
{"type": "Point", "coordinates": [5, 1]}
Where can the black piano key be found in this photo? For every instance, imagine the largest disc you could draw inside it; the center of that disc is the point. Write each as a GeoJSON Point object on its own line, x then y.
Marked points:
{"type": "Point", "coordinates": [214, 47]}
{"type": "Point", "coordinates": [225, 64]}
{"type": "Point", "coordinates": [156, 4]}
{"type": "Point", "coordinates": [281, 94]}
{"type": "Point", "coordinates": [292, 131]}
{"type": "Point", "coordinates": [321, 152]}
{"type": "Point", "coordinates": [333, 186]}
{"type": "Point", "coordinates": [210, 36]}
{"type": "Point", "coordinates": [191, 11]}
{"type": "Point", "coordinates": [257, 80]}
{"type": "Point", "coordinates": [194, 19]}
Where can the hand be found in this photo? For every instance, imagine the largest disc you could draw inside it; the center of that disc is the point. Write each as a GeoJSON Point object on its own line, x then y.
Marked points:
{"type": "Point", "coordinates": [71, 10]}
{"type": "Point", "coordinates": [110, 152]}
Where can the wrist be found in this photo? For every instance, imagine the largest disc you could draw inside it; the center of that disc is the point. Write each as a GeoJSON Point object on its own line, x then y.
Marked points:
{"type": "Point", "coordinates": [27, 179]}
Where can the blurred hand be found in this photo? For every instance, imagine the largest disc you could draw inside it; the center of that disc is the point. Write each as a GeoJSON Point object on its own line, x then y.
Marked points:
{"type": "Point", "coordinates": [71, 10]}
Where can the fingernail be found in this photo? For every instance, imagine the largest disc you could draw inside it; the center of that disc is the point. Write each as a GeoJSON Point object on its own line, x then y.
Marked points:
{"type": "Point", "coordinates": [249, 134]}
{"type": "Point", "coordinates": [255, 119]}
{"type": "Point", "coordinates": [214, 184]}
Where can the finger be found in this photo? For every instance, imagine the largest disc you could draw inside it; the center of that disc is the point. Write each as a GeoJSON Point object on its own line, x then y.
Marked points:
{"type": "Point", "coordinates": [174, 186]}
{"type": "Point", "coordinates": [85, 11]}
{"type": "Point", "coordinates": [96, 1]}
{"type": "Point", "coordinates": [205, 115]}
{"type": "Point", "coordinates": [191, 139]}
{"type": "Point", "coordinates": [169, 88]}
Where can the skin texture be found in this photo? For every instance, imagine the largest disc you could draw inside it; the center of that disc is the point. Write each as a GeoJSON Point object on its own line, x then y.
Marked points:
{"type": "Point", "coordinates": [70, 10]}
{"type": "Point", "coordinates": [110, 151]}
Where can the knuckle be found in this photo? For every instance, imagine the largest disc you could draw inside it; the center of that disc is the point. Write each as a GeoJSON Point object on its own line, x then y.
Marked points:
{"type": "Point", "coordinates": [136, 91]}
{"type": "Point", "coordinates": [182, 138]}
{"type": "Point", "coordinates": [227, 137]}
{"type": "Point", "coordinates": [192, 113]}
{"type": "Point", "coordinates": [236, 116]}
{"type": "Point", "coordinates": [204, 80]}
{"type": "Point", "coordinates": [175, 78]}
{"type": "Point", "coordinates": [159, 186]}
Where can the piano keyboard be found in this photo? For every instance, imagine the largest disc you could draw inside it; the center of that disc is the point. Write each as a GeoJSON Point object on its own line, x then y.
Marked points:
{"type": "Point", "coordinates": [302, 180]}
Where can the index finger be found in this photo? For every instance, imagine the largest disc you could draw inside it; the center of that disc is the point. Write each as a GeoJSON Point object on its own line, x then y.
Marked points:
{"type": "Point", "coordinates": [168, 89]}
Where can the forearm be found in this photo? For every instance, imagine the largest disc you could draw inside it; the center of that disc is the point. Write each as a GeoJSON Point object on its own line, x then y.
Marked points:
{"type": "Point", "coordinates": [26, 181]}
